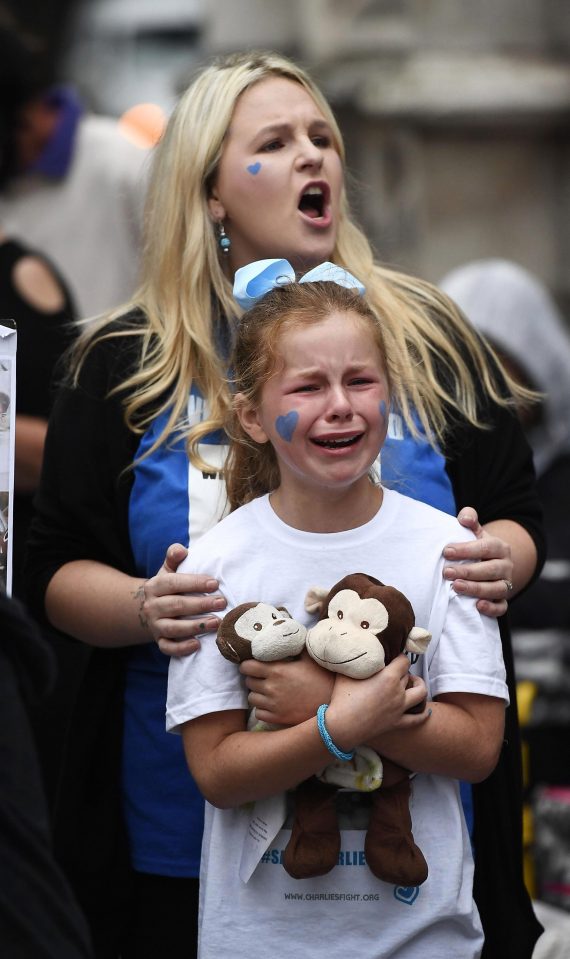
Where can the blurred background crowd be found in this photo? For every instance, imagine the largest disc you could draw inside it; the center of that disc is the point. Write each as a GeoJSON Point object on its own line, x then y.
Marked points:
{"type": "Point", "coordinates": [456, 117]}
{"type": "Point", "coordinates": [455, 114]}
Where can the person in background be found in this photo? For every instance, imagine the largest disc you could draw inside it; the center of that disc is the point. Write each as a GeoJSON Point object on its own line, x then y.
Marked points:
{"type": "Point", "coordinates": [39, 916]}
{"type": "Point", "coordinates": [73, 186]}
{"type": "Point", "coordinates": [520, 319]}
{"type": "Point", "coordinates": [34, 295]}
{"type": "Point", "coordinates": [251, 165]}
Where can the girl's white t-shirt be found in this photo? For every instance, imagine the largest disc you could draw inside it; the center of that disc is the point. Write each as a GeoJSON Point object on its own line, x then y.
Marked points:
{"type": "Point", "coordinates": [255, 556]}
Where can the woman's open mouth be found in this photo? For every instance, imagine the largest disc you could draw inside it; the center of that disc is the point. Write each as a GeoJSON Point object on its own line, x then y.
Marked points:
{"type": "Point", "coordinates": [314, 204]}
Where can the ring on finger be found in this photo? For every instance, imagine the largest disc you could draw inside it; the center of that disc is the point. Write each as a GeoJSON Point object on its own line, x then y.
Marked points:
{"type": "Point", "coordinates": [509, 585]}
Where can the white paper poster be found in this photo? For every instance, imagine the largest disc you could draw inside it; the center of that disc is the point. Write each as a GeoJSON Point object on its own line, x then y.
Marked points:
{"type": "Point", "coordinates": [7, 438]}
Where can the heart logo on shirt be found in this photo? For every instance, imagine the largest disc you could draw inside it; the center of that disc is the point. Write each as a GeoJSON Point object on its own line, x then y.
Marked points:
{"type": "Point", "coordinates": [254, 168]}
{"type": "Point", "coordinates": [285, 425]}
{"type": "Point", "coordinates": [406, 894]}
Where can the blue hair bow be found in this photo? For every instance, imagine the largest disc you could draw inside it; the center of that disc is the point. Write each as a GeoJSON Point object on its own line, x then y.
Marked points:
{"type": "Point", "coordinates": [256, 279]}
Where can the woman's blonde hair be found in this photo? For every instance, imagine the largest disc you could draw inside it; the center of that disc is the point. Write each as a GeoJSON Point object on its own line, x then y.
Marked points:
{"type": "Point", "coordinates": [186, 299]}
{"type": "Point", "coordinates": [251, 468]}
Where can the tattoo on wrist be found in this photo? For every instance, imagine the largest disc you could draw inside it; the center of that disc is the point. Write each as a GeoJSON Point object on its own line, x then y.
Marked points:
{"type": "Point", "coordinates": [138, 595]}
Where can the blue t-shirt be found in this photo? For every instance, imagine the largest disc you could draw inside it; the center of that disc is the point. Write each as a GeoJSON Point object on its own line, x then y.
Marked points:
{"type": "Point", "coordinates": [414, 468]}
{"type": "Point", "coordinates": [171, 501]}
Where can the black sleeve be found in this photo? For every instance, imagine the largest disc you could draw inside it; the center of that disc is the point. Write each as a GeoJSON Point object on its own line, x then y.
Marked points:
{"type": "Point", "coordinates": [547, 604]}
{"type": "Point", "coordinates": [492, 470]}
{"type": "Point", "coordinates": [43, 339]}
{"type": "Point", "coordinates": [82, 502]}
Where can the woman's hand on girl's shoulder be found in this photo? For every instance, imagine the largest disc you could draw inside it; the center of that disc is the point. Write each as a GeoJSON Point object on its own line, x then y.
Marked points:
{"type": "Point", "coordinates": [175, 609]}
{"type": "Point", "coordinates": [485, 567]}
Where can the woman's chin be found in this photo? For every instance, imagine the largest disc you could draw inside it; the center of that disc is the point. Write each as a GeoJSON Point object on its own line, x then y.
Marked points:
{"type": "Point", "coordinates": [305, 260]}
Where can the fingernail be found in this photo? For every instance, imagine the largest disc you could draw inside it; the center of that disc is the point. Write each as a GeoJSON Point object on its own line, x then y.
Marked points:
{"type": "Point", "coordinates": [449, 572]}
{"type": "Point", "coordinates": [212, 584]}
{"type": "Point", "coordinates": [450, 552]}
{"type": "Point", "coordinates": [212, 624]}
{"type": "Point", "coordinates": [220, 603]}
{"type": "Point", "coordinates": [460, 586]}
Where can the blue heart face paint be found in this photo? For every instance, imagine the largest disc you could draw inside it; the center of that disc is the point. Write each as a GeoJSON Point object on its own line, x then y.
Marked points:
{"type": "Point", "coordinates": [286, 425]}
{"type": "Point", "coordinates": [254, 168]}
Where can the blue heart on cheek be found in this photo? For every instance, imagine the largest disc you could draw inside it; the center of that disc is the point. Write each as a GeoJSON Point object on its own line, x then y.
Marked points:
{"type": "Point", "coordinates": [286, 425]}
{"type": "Point", "coordinates": [406, 894]}
{"type": "Point", "coordinates": [254, 168]}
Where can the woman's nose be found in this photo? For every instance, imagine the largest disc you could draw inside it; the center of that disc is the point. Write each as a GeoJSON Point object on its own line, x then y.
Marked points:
{"type": "Point", "coordinates": [310, 154]}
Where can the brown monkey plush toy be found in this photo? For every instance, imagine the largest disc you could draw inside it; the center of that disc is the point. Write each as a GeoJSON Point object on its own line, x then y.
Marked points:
{"type": "Point", "coordinates": [363, 625]}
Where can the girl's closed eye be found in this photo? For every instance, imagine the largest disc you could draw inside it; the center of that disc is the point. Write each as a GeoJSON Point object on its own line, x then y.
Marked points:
{"type": "Point", "coordinates": [362, 381]}
{"type": "Point", "coordinates": [305, 388]}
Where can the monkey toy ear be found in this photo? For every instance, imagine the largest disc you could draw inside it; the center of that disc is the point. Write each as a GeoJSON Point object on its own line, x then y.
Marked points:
{"type": "Point", "coordinates": [232, 646]}
{"type": "Point", "coordinates": [315, 599]}
{"type": "Point", "coordinates": [418, 640]}
{"type": "Point", "coordinates": [225, 642]}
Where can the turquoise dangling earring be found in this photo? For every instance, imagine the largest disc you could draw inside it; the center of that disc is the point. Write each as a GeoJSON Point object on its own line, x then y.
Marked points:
{"type": "Point", "coordinates": [224, 241]}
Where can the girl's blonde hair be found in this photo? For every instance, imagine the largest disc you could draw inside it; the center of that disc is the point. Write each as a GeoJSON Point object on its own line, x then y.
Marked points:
{"type": "Point", "coordinates": [186, 300]}
{"type": "Point", "coordinates": [251, 468]}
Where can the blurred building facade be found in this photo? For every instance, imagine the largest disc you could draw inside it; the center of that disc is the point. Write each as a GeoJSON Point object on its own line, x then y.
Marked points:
{"type": "Point", "coordinates": [456, 114]}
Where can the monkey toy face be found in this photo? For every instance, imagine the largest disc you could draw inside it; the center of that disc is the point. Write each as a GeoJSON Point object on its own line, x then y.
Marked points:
{"type": "Point", "coordinates": [363, 626]}
{"type": "Point", "coordinates": [347, 640]}
{"type": "Point", "coordinates": [260, 631]}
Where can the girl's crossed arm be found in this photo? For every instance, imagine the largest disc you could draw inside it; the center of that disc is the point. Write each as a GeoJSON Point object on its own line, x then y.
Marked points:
{"type": "Point", "coordinates": [233, 766]}
{"type": "Point", "coordinates": [462, 739]}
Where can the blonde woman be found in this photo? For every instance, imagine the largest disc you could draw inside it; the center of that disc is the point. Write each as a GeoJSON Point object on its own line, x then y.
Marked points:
{"type": "Point", "coordinates": [251, 166]}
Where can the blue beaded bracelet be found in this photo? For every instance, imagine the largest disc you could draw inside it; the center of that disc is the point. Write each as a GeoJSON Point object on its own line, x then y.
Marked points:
{"type": "Point", "coordinates": [325, 736]}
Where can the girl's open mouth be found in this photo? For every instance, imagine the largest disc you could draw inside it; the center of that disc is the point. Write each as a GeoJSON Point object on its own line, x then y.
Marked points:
{"type": "Point", "coordinates": [337, 444]}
